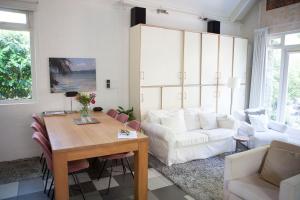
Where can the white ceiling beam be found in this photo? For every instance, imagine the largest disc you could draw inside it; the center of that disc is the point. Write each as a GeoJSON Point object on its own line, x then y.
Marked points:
{"type": "Point", "coordinates": [242, 9]}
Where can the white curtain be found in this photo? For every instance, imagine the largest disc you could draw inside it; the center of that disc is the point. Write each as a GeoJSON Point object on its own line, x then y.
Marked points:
{"type": "Point", "coordinates": [258, 77]}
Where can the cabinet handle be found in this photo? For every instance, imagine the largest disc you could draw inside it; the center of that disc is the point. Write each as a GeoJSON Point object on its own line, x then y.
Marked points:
{"type": "Point", "coordinates": [142, 76]}
{"type": "Point", "coordinates": [142, 97]}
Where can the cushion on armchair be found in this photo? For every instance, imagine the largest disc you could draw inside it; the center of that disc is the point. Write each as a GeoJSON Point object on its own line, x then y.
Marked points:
{"type": "Point", "coordinates": [257, 111]}
{"type": "Point", "coordinates": [282, 161]}
{"type": "Point", "coordinates": [259, 122]}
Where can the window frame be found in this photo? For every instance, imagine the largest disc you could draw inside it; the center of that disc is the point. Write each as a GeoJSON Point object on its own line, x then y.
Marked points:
{"type": "Point", "coordinates": [23, 27]}
{"type": "Point", "coordinates": [283, 82]}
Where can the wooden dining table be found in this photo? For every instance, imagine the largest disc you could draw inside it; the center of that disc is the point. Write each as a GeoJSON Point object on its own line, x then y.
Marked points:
{"type": "Point", "coordinates": [70, 142]}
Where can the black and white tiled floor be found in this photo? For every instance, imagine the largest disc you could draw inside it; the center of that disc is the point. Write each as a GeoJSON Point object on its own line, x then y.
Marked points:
{"type": "Point", "coordinates": [122, 188]}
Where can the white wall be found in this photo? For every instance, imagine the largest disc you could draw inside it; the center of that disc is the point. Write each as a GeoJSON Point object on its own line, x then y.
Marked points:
{"type": "Point", "coordinates": [80, 28]}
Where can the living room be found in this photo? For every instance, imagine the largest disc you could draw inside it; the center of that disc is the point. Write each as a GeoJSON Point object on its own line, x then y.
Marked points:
{"type": "Point", "coordinates": [148, 99]}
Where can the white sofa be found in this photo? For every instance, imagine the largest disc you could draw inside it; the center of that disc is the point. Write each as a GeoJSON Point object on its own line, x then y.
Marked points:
{"type": "Point", "coordinates": [173, 147]}
{"type": "Point", "coordinates": [242, 180]}
{"type": "Point", "coordinates": [275, 131]}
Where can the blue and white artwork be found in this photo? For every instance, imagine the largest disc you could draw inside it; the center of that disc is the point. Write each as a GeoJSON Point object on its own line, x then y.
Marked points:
{"type": "Point", "coordinates": [72, 74]}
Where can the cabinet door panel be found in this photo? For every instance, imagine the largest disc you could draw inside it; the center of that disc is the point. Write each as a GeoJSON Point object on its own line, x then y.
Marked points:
{"type": "Point", "coordinates": [192, 53]}
{"type": "Point", "coordinates": [171, 97]}
{"type": "Point", "coordinates": [239, 99]}
{"type": "Point", "coordinates": [209, 58]}
{"type": "Point", "coordinates": [240, 58]}
{"type": "Point", "coordinates": [209, 98]}
{"type": "Point", "coordinates": [161, 56]}
{"type": "Point", "coordinates": [224, 99]}
{"type": "Point", "coordinates": [225, 58]}
{"type": "Point", "coordinates": [191, 96]}
{"type": "Point", "coordinates": [150, 99]}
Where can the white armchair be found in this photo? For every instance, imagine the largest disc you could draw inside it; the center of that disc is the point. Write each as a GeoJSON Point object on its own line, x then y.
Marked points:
{"type": "Point", "coordinates": [276, 131]}
{"type": "Point", "coordinates": [242, 180]}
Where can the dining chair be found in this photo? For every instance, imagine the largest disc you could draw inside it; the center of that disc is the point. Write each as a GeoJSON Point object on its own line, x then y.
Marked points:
{"type": "Point", "coordinates": [113, 113]}
{"type": "Point", "coordinates": [134, 124]}
{"type": "Point", "coordinates": [122, 118]}
{"type": "Point", "coordinates": [74, 167]}
{"type": "Point", "coordinates": [38, 128]}
{"type": "Point", "coordinates": [37, 118]}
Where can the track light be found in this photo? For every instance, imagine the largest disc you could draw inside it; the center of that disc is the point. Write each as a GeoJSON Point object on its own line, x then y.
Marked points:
{"type": "Point", "coordinates": [162, 11]}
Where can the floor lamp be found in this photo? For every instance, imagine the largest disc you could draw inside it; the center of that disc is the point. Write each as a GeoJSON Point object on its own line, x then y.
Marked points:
{"type": "Point", "coordinates": [234, 84]}
{"type": "Point", "coordinates": [71, 95]}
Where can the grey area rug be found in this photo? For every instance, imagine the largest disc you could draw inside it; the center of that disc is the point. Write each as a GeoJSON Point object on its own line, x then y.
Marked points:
{"type": "Point", "coordinates": [202, 179]}
{"type": "Point", "coordinates": [18, 170]}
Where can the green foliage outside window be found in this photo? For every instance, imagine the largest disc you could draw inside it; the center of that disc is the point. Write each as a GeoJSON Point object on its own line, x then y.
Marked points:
{"type": "Point", "coordinates": [15, 65]}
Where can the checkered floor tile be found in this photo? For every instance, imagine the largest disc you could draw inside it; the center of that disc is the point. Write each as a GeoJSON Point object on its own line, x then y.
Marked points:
{"type": "Point", "coordinates": [121, 188]}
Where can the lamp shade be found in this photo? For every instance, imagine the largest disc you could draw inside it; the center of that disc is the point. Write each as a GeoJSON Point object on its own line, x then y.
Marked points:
{"type": "Point", "coordinates": [233, 82]}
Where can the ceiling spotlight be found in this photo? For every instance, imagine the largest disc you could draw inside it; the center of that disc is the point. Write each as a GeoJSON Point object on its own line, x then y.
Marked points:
{"type": "Point", "coordinates": [162, 11]}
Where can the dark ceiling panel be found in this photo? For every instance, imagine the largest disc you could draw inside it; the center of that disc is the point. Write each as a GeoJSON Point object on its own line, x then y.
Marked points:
{"type": "Point", "coordinates": [272, 4]}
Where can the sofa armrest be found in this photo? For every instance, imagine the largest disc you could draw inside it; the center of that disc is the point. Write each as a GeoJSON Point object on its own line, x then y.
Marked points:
{"type": "Point", "coordinates": [246, 129]}
{"type": "Point", "coordinates": [290, 188]}
{"type": "Point", "coordinates": [159, 131]}
{"type": "Point", "coordinates": [244, 164]}
{"type": "Point", "coordinates": [276, 126]}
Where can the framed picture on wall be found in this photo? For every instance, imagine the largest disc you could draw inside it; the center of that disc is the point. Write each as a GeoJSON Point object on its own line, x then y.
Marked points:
{"type": "Point", "coordinates": [72, 74]}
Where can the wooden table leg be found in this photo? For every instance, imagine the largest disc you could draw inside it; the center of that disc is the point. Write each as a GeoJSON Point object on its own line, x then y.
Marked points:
{"type": "Point", "coordinates": [60, 170]}
{"type": "Point", "coordinates": [141, 171]}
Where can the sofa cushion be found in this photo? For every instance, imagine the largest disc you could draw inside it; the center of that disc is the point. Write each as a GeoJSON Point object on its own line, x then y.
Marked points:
{"type": "Point", "coordinates": [218, 134]}
{"type": "Point", "coordinates": [253, 187]}
{"type": "Point", "coordinates": [259, 122]}
{"type": "Point", "coordinates": [226, 122]}
{"type": "Point", "coordinates": [282, 162]}
{"type": "Point", "coordinates": [265, 138]}
{"type": "Point", "coordinates": [256, 111]}
{"type": "Point", "coordinates": [192, 119]}
{"type": "Point", "coordinates": [208, 120]}
{"type": "Point", "coordinates": [174, 121]}
{"type": "Point", "coordinates": [190, 138]}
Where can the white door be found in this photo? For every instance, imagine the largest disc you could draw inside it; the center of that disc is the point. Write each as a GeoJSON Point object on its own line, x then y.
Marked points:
{"type": "Point", "coordinates": [239, 99]}
{"type": "Point", "coordinates": [161, 56]}
{"type": "Point", "coordinates": [192, 53]}
{"type": "Point", "coordinates": [224, 100]}
{"type": "Point", "coordinates": [150, 100]}
{"type": "Point", "coordinates": [209, 98]}
{"type": "Point", "coordinates": [209, 66]}
{"type": "Point", "coordinates": [171, 97]}
{"type": "Point", "coordinates": [240, 58]}
{"type": "Point", "coordinates": [225, 58]}
{"type": "Point", "coordinates": [191, 96]}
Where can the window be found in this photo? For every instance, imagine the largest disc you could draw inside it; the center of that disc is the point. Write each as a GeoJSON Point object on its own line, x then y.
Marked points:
{"type": "Point", "coordinates": [282, 96]}
{"type": "Point", "coordinates": [15, 57]}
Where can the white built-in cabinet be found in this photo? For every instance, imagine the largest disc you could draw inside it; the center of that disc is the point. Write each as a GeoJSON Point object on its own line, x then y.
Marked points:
{"type": "Point", "coordinates": [240, 59]}
{"type": "Point", "coordinates": [161, 54]}
{"type": "Point", "coordinates": [171, 69]}
{"type": "Point", "coordinates": [209, 64]}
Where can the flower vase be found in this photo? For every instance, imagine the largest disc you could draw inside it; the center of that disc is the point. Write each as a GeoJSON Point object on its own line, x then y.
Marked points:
{"type": "Point", "coordinates": [85, 112]}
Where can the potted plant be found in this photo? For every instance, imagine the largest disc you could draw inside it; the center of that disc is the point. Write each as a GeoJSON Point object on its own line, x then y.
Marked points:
{"type": "Point", "coordinates": [128, 112]}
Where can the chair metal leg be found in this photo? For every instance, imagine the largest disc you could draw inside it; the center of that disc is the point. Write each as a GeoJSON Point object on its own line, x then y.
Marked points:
{"type": "Point", "coordinates": [53, 194]}
{"type": "Point", "coordinates": [44, 164]}
{"type": "Point", "coordinates": [44, 172]}
{"type": "Point", "coordinates": [102, 169]}
{"type": "Point", "coordinates": [111, 170]}
{"type": "Point", "coordinates": [41, 157]}
{"type": "Point", "coordinates": [78, 183]}
{"type": "Point", "coordinates": [48, 194]}
{"type": "Point", "coordinates": [124, 168]}
{"type": "Point", "coordinates": [45, 188]}
{"type": "Point", "coordinates": [129, 167]}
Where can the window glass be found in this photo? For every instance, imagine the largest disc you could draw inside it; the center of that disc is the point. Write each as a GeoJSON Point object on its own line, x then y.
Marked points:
{"type": "Point", "coordinates": [275, 41]}
{"type": "Point", "coordinates": [13, 17]}
{"type": "Point", "coordinates": [273, 80]}
{"type": "Point", "coordinates": [292, 39]}
{"type": "Point", "coordinates": [15, 65]}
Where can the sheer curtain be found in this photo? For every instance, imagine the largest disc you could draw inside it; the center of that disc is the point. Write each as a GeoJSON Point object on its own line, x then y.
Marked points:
{"type": "Point", "coordinates": [258, 77]}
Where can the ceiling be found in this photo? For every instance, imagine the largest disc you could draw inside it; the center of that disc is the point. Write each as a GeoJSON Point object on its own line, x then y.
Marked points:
{"type": "Point", "coordinates": [227, 10]}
